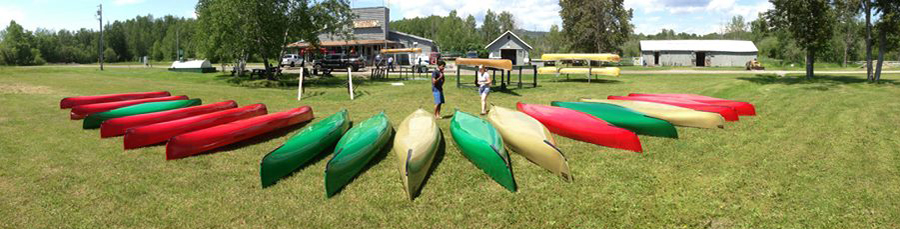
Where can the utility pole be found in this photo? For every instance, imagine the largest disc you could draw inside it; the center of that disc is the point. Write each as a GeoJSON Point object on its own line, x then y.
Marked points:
{"type": "Point", "coordinates": [100, 47]}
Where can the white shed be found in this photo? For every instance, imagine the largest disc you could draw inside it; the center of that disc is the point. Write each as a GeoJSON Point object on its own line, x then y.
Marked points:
{"type": "Point", "coordinates": [201, 66]}
{"type": "Point", "coordinates": [509, 46]}
{"type": "Point", "coordinates": [700, 53]}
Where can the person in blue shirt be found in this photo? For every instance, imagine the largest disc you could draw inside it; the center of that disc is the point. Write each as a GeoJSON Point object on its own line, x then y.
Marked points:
{"type": "Point", "coordinates": [437, 88]}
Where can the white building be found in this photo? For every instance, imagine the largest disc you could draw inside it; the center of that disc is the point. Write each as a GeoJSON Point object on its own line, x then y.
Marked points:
{"type": "Point", "coordinates": [509, 46]}
{"type": "Point", "coordinates": [700, 53]}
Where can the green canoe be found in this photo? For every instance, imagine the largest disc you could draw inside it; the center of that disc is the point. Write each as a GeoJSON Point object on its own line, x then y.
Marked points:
{"type": "Point", "coordinates": [299, 149]}
{"type": "Point", "coordinates": [624, 118]}
{"type": "Point", "coordinates": [94, 120]}
{"type": "Point", "coordinates": [482, 145]}
{"type": "Point", "coordinates": [355, 149]}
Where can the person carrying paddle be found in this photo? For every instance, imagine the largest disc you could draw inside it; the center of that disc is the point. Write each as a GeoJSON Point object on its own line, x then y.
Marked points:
{"type": "Point", "coordinates": [437, 88]}
{"type": "Point", "coordinates": [484, 87]}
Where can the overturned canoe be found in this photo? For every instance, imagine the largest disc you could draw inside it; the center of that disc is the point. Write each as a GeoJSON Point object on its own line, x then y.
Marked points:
{"type": "Point", "coordinates": [82, 111]}
{"type": "Point", "coordinates": [482, 145]}
{"type": "Point", "coordinates": [70, 102]}
{"type": "Point", "coordinates": [118, 126]}
{"type": "Point", "coordinates": [355, 149]}
{"type": "Point", "coordinates": [608, 57]}
{"type": "Point", "coordinates": [581, 126]}
{"type": "Point", "coordinates": [306, 145]}
{"type": "Point", "coordinates": [623, 117]}
{"type": "Point", "coordinates": [160, 132]}
{"type": "Point", "coordinates": [415, 145]}
{"type": "Point", "coordinates": [676, 115]}
{"type": "Point", "coordinates": [196, 142]}
{"type": "Point", "coordinates": [742, 108]}
{"type": "Point", "coordinates": [403, 50]}
{"type": "Point", "coordinates": [94, 120]}
{"type": "Point", "coordinates": [493, 63]}
{"type": "Point", "coordinates": [528, 137]}
{"type": "Point", "coordinates": [727, 112]}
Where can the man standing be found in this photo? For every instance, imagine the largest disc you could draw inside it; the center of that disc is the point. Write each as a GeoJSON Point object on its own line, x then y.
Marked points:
{"type": "Point", "coordinates": [437, 88]}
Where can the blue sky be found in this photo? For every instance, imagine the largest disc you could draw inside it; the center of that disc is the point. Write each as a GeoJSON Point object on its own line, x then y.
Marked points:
{"type": "Point", "coordinates": [650, 16]}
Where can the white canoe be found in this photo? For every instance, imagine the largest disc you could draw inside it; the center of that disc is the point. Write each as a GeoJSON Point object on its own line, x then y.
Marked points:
{"type": "Point", "coordinates": [608, 57]}
{"type": "Point", "coordinates": [415, 144]}
{"type": "Point", "coordinates": [528, 137]}
{"type": "Point", "coordinates": [679, 116]}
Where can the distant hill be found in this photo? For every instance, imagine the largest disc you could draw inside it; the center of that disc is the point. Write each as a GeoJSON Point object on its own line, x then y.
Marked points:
{"type": "Point", "coordinates": [532, 34]}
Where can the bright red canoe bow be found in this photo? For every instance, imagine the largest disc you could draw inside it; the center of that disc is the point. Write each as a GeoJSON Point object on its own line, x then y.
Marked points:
{"type": "Point", "coordinates": [82, 111]}
{"type": "Point", "coordinates": [581, 126]}
{"type": "Point", "coordinates": [742, 108]}
{"type": "Point", "coordinates": [196, 142]}
{"type": "Point", "coordinates": [160, 132]}
{"type": "Point", "coordinates": [117, 126]}
{"type": "Point", "coordinates": [727, 112]}
{"type": "Point", "coordinates": [91, 99]}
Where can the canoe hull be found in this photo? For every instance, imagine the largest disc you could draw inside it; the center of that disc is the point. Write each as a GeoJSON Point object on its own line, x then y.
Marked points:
{"type": "Point", "coordinates": [528, 137]}
{"type": "Point", "coordinates": [82, 111]}
{"type": "Point", "coordinates": [742, 108]}
{"type": "Point", "coordinates": [728, 113]}
{"type": "Point", "coordinates": [355, 150]}
{"type": "Point", "coordinates": [482, 145]}
{"type": "Point", "coordinates": [415, 145]}
{"type": "Point", "coordinates": [608, 57]}
{"type": "Point", "coordinates": [95, 120]}
{"type": "Point", "coordinates": [581, 126]}
{"type": "Point", "coordinates": [196, 142]}
{"type": "Point", "coordinates": [160, 132]}
{"type": "Point", "coordinates": [118, 126]}
{"type": "Point", "coordinates": [678, 116]}
{"type": "Point", "coordinates": [306, 145]}
{"type": "Point", "coordinates": [84, 100]}
{"type": "Point", "coordinates": [494, 63]}
{"type": "Point", "coordinates": [623, 117]}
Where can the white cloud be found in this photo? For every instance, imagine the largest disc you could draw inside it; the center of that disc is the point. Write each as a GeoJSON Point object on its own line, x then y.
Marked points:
{"type": "Point", "coordinates": [127, 2]}
{"type": "Point", "coordinates": [707, 16]}
{"type": "Point", "coordinates": [8, 13]}
{"type": "Point", "coordinates": [529, 14]}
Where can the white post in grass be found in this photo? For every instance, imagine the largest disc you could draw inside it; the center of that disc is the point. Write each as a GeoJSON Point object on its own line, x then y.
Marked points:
{"type": "Point", "coordinates": [350, 82]}
{"type": "Point", "coordinates": [300, 85]}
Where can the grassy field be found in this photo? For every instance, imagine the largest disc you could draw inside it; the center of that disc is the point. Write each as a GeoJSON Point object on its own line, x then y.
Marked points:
{"type": "Point", "coordinates": [821, 153]}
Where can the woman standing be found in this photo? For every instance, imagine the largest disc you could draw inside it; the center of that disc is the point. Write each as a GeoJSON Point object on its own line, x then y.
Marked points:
{"type": "Point", "coordinates": [484, 87]}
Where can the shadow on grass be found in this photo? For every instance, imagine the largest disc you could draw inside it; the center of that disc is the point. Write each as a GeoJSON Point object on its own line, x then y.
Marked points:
{"type": "Point", "coordinates": [585, 80]}
{"type": "Point", "coordinates": [289, 81]}
{"type": "Point", "coordinates": [379, 156]}
{"type": "Point", "coordinates": [818, 83]}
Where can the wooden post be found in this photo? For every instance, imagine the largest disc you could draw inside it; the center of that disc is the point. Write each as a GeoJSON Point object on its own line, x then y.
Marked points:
{"type": "Point", "coordinates": [535, 74]}
{"type": "Point", "coordinates": [350, 82]}
{"type": "Point", "coordinates": [458, 83]}
{"type": "Point", "coordinates": [300, 85]}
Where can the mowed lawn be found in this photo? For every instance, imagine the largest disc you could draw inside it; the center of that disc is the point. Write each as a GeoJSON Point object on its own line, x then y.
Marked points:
{"type": "Point", "coordinates": [821, 153]}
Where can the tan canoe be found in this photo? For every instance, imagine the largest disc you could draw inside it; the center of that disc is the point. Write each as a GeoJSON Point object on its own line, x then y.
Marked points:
{"type": "Point", "coordinates": [607, 71]}
{"type": "Point", "coordinates": [415, 144]}
{"type": "Point", "coordinates": [679, 116]}
{"type": "Point", "coordinates": [528, 137]}
{"type": "Point", "coordinates": [413, 50]}
{"type": "Point", "coordinates": [608, 57]}
{"type": "Point", "coordinates": [494, 63]}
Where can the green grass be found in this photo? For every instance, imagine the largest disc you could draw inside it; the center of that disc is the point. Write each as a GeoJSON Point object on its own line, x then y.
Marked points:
{"type": "Point", "coordinates": [821, 153]}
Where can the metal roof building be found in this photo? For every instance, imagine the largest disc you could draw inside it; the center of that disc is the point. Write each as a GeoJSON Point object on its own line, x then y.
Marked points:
{"type": "Point", "coordinates": [509, 46]}
{"type": "Point", "coordinates": [700, 53]}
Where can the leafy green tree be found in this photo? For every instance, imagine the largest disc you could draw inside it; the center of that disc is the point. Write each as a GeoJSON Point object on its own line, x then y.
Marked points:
{"type": "Point", "coordinates": [596, 25]}
{"type": "Point", "coordinates": [490, 27]}
{"type": "Point", "coordinates": [809, 23]}
{"type": "Point", "coordinates": [16, 46]}
{"type": "Point", "coordinates": [888, 28]}
{"type": "Point", "coordinates": [507, 22]}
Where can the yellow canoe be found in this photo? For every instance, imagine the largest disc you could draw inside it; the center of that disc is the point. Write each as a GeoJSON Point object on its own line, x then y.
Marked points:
{"type": "Point", "coordinates": [679, 116]}
{"type": "Point", "coordinates": [608, 57]}
{"type": "Point", "coordinates": [415, 144]}
{"type": "Point", "coordinates": [528, 137]}
{"type": "Point", "coordinates": [606, 71]}
{"type": "Point", "coordinates": [405, 50]}
{"type": "Point", "coordinates": [494, 63]}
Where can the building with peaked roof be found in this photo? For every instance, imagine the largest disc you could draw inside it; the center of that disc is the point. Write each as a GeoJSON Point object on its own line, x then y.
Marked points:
{"type": "Point", "coordinates": [371, 33]}
{"type": "Point", "coordinates": [700, 53]}
{"type": "Point", "coordinates": [509, 46]}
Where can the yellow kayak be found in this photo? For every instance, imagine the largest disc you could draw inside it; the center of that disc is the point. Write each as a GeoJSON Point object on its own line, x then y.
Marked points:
{"type": "Point", "coordinates": [608, 57]}
{"type": "Point", "coordinates": [404, 50]}
{"type": "Point", "coordinates": [528, 137]}
{"type": "Point", "coordinates": [415, 144]}
{"type": "Point", "coordinates": [679, 116]}
{"type": "Point", "coordinates": [494, 63]}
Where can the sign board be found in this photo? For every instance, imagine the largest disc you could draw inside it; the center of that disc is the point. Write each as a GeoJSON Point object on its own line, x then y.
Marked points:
{"type": "Point", "coordinates": [365, 24]}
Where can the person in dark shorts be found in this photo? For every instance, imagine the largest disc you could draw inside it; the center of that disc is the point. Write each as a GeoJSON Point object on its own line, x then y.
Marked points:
{"type": "Point", "coordinates": [437, 88]}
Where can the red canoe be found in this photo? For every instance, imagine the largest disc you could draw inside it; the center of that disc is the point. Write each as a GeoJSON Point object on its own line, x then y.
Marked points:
{"type": "Point", "coordinates": [160, 132]}
{"type": "Point", "coordinates": [581, 126]}
{"type": "Point", "coordinates": [117, 126]}
{"type": "Point", "coordinates": [84, 100]}
{"type": "Point", "coordinates": [742, 108]}
{"type": "Point", "coordinates": [81, 111]}
{"type": "Point", "coordinates": [199, 141]}
{"type": "Point", "coordinates": [727, 112]}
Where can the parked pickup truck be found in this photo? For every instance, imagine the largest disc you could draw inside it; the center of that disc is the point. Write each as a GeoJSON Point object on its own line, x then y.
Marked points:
{"type": "Point", "coordinates": [338, 61]}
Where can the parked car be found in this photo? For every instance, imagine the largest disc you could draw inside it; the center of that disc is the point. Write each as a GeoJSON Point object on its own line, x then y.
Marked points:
{"type": "Point", "coordinates": [339, 61]}
{"type": "Point", "coordinates": [291, 60]}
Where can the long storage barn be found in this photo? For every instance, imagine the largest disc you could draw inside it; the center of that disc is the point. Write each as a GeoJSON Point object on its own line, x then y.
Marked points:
{"type": "Point", "coordinates": [700, 53]}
